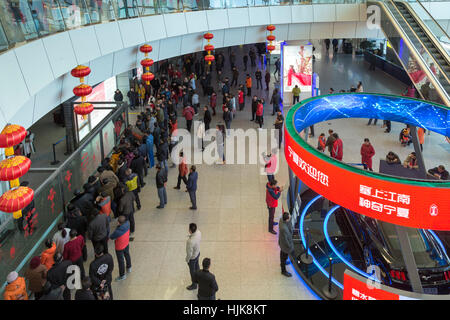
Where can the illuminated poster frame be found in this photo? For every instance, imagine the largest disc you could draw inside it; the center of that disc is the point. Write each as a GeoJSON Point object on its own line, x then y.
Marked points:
{"type": "Point", "coordinates": [421, 204]}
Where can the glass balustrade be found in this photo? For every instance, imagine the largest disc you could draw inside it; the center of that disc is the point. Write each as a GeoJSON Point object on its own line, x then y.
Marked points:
{"type": "Point", "coordinates": [26, 20]}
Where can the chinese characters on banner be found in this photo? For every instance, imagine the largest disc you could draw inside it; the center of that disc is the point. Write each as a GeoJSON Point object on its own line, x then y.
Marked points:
{"type": "Point", "coordinates": [398, 201]}
{"type": "Point", "coordinates": [355, 289]}
{"type": "Point", "coordinates": [310, 170]}
{"type": "Point", "coordinates": [386, 202]}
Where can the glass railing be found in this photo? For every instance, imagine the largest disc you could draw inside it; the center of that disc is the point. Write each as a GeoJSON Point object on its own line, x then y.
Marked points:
{"type": "Point", "coordinates": [26, 20]}
{"type": "Point", "coordinates": [22, 239]}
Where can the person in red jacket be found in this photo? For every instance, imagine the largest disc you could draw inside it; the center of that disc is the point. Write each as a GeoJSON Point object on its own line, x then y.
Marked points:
{"type": "Point", "coordinates": [121, 237]}
{"type": "Point", "coordinates": [337, 151]}
{"type": "Point", "coordinates": [213, 103]}
{"type": "Point", "coordinates": [259, 114]}
{"type": "Point", "coordinates": [73, 250]}
{"type": "Point", "coordinates": [367, 152]}
{"type": "Point", "coordinates": [273, 193]}
{"type": "Point", "coordinates": [188, 114]}
{"type": "Point", "coordinates": [322, 142]}
{"type": "Point", "coordinates": [241, 100]}
{"type": "Point", "coordinates": [182, 171]}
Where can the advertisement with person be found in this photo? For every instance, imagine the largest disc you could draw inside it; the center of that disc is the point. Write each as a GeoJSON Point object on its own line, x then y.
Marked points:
{"type": "Point", "coordinates": [297, 67]}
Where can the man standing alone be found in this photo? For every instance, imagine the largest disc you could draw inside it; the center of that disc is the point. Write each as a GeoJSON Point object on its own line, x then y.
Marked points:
{"type": "Point", "coordinates": [193, 252]}
{"type": "Point", "coordinates": [207, 285]}
{"type": "Point", "coordinates": [161, 179]}
{"type": "Point", "coordinates": [296, 94]}
{"type": "Point", "coordinates": [192, 187]}
{"type": "Point", "coordinates": [273, 193]}
{"type": "Point", "coordinates": [285, 242]}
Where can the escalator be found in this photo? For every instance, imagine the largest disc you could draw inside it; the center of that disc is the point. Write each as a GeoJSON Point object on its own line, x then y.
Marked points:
{"type": "Point", "coordinates": [415, 37]}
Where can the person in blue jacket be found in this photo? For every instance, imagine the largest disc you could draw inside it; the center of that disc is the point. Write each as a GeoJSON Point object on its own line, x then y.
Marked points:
{"type": "Point", "coordinates": [192, 187]}
{"type": "Point", "coordinates": [121, 237]}
{"type": "Point", "coordinates": [151, 157]}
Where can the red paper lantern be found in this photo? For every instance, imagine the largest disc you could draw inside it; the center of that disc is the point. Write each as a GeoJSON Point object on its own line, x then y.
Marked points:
{"type": "Point", "coordinates": [271, 37]}
{"type": "Point", "coordinates": [83, 109]}
{"type": "Point", "coordinates": [270, 47]}
{"type": "Point", "coordinates": [147, 77]}
{"type": "Point", "coordinates": [209, 58]}
{"type": "Point", "coordinates": [270, 27]}
{"type": "Point", "coordinates": [209, 47]}
{"type": "Point", "coordinates": [12, 135]}
{"type": "Point", "coordinates": [13, 168]}
{"type": "Point", "coordinates": [208, 36]}
{"type": "Point", "coordinates": [80, 71]}
{"type": "Point", "coordinates": [146, 48]}
{"type": "Point", "coordinates": [82, 90]}
{"type": "Point", "coordinates": [15, 200]}
{"type": "Point", "coordinates": [147, 63]}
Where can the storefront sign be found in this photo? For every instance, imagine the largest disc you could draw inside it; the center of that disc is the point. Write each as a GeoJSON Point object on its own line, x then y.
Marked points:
{"type": "Point", "coordinates": [398, 201]}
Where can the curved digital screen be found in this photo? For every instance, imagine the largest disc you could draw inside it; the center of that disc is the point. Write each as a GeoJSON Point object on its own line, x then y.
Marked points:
{"type": "Point", "coordinates": [362, 105]}
{"type": "Point", "coordinates": [416, 204]}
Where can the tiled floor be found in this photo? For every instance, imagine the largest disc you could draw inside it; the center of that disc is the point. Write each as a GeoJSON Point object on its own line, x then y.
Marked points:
{"type": "Point", "coordinates": [232, 215]}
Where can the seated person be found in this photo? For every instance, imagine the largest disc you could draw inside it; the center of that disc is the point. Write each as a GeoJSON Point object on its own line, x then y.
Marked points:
{"type": "Point", "coordinates": [405, 137]}
{"type": "Point", "coordinates": [392, 158]}
{"type": "Point", "coordinates": [439, 172]}
{"type": "Point", "coordinates": [411, 161]}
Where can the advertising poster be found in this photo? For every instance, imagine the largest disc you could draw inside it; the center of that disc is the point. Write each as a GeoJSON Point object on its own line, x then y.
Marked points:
{"type": "Point", "coordinates": [297, 68]}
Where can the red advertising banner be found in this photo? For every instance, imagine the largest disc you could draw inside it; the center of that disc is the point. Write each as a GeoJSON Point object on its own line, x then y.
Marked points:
{"type": "Point", "coordinates": [355, 289]}
{"type": "Point", "coordinates": [408, 205]}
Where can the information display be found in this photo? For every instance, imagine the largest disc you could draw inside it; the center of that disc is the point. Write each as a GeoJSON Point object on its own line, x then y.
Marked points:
{"type": "Point", "coordinates": [416, 204]}
{"type": "Point", "coordinates": [297, 67]}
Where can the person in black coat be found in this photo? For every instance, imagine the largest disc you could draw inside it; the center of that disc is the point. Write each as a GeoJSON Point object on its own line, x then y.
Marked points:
{"type": "Point", "coordinates": [163, 154]}
{"type": "Point", "coordinates": [75, 220]}
{"type": "Point", "coordinates": [207, 285]}
{"type": "Point", "coordinates": [133, 98]}
{"type": "Point", "coordinates": [227, 117]}
{"type": "Point", "coordinates": [121, 171]}
{"type": "Point", "coordinates": [85, 293]}
{"type": "Point", "coordinates": [57, 275]}
{"type": "Point", "coordinates": [254, 107]}
{"type": "Point", "coordinates": [100, 271]}
{"type": "Point", "coordinates": [161, 179]}
{"type": "Point", "coordinates": [207, 118]}
{"type": "Point", "coordinates": [118, 96]}
{"type": "Point", "coordinates": [138, 166]}
{"type": "Point", "coordinates": [191, 186]}
{"type": "Point", "coordinates": [84, 201]}
{"type": "Point", "coordinates": [49, 293]}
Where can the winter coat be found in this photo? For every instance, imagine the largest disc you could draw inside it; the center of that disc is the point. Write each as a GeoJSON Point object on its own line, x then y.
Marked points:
{"type": "Point", "coordinates": [98, 229]}
{"type": "Point", "coordinates": [285, 236]}
{"type": "Point", "coordinates": [121, 236]}
{"type": "Point", "coordinates": [192, 181]}
{"type": "Point", "coordinates": [47, 256]}
{"type": "Point", "coordinates": [272, 196]}
{"type": "Point", "coordinates": [16, 290]}
{"type": "Point", "coordinates": [126, 204]}
{"type": "Point", "coordinates": [367, 152]}
{"type": "Point", "coordinates": [338, 150]}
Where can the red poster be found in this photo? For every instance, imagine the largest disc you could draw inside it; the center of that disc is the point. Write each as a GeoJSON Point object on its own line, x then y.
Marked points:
{"type": "Point", "coordinates": [406, 204]}
{"type": "Point", "coordinates": [359, 290]}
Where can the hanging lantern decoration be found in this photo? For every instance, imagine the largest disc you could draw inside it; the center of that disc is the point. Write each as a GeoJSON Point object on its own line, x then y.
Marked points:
{"type": "Point", "coordinates": [14, 167]}
{"type": "Point", "coordinates": [10, 136]}
{"type": "Point", "coordinates": [146, 63]}
{"type": "Point", "coordinates": [270, 37]}
{"type": "Point", "coordinates": [209, 47]}
{"type": "Point", "coordinates": [82, 91]}
{"type": "Point", "coordinates": [14, 200]}
{"type": "Point", "coordinates": [11, 169]}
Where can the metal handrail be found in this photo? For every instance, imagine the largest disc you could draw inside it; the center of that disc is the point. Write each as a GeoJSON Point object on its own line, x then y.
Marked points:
{"type": "Point", "coordinates": [430, 36]}
{"type": "Point", "coordinates": [442, 72]}
{"type": "Point", "coordinates": [443, 94]}
{"type": "Point", "coordinates": [438, 24]}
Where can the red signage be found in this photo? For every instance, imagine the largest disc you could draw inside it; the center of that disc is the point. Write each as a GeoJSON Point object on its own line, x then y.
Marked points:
{"type": "Point", "coordinates": [355, 289]}
{"type": "Point", "coordinates": [408, 205]}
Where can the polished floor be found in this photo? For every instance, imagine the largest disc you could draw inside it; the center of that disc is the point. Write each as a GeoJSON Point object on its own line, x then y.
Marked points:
{"type": "Point", "coordinates": [232, 214]}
